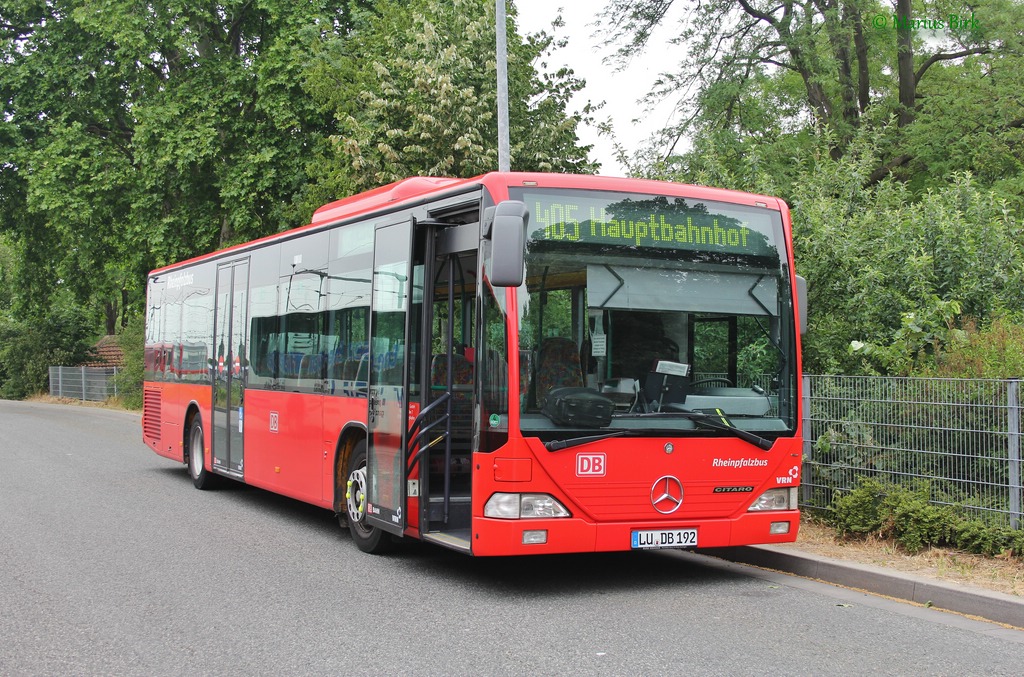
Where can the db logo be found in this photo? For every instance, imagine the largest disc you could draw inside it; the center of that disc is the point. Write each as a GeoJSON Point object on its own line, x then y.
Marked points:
{"type": "Point", "coordinates": [590, 465]}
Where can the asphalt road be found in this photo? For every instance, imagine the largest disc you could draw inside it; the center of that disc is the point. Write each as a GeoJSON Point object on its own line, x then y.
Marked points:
{"type": "Point", "coordinates": [112, 563]}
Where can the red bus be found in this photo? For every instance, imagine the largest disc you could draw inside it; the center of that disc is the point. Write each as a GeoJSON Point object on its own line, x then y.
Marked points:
{"type": "Point", "coordinates": [511, 364]}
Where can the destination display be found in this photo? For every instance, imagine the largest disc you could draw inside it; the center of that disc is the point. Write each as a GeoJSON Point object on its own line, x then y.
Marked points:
{"type": "Point", "coordinates": [651, 221]}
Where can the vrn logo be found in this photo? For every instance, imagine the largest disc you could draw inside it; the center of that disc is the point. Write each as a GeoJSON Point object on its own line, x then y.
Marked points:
{"type": "Point", "coordinates": [590, 465]}
{"type": "Point", "coordinates": [794, 472]}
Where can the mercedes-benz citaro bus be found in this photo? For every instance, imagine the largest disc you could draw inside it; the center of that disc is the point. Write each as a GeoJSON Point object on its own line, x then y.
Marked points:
{"type": "Point", "coordinates": [511, 364]}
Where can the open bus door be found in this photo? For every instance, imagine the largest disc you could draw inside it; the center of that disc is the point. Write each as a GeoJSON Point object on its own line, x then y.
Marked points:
{"type": "Point", "coordinates": [421, 386]}
{"type": "Point", "coordinates": [229, 368]}
{"type": "Point", "coordinates": [389, 396]}
{"type": "Point", "coordinates": [442, 434]}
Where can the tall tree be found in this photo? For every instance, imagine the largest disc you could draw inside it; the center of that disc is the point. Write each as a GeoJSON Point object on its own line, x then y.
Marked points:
{"type": "Point", "coordinates": [759, 68]}
{"type": "Point", "coordinates": [414, 92]}
{"type": "Point", "coordinates": [141, 133]}
{"type": "Point", "coordinates": [894, 129]}
{"type": "Point", "coordinates": [145, 132]}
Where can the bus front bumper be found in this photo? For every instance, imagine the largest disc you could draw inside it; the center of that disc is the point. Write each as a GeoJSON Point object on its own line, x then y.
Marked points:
{"type": "Point", "coordinates": [498, 537]}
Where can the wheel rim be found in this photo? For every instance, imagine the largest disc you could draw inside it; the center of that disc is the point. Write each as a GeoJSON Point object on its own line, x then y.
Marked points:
{"type": "Point", "coordinates": [195, 452]}
{"type": "Point", "coordinates": [355, 497]}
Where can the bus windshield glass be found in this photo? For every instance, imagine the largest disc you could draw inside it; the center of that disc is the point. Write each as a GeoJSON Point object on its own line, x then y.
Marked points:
{"type": "Point", "coordinates": [639, 310]}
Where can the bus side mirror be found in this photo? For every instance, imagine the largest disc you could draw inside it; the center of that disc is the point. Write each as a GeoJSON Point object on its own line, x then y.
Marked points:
{"type": "Point", "coordinates": [801, 303]}
{"type": "Point", "coordinates": [508, 244]}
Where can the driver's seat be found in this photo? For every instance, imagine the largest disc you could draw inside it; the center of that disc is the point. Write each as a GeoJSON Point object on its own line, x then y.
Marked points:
{"type": "Point", "coordinates": [558, 366]}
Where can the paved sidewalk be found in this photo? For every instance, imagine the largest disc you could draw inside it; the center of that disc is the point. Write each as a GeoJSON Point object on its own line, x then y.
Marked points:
{"type": "Point", "coordinates": [993, 606]}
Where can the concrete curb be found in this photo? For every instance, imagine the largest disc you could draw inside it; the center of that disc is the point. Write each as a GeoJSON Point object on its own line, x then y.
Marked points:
{"type": "Point", "coordinates": [987, 604]}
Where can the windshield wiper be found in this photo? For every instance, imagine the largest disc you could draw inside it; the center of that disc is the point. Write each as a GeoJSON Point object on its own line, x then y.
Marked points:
{"type": "Point", "coordinates": [716, 421]}
{"type": "Point", "coordinates": [558, 445]}
{"type": "Point", "coordinates": [712, 421]}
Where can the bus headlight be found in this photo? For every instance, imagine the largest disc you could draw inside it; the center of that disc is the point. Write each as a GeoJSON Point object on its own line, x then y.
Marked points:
{"type": "Point", "coordinates": [775, 499]}
{"type": "Point", "coordinates": [523, 506]}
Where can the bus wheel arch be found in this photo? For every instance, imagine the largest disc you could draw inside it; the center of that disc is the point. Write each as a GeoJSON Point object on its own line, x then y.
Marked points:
{"type": "Point", "coordinates": [195, 450]}
{"type": "Point", "coordinates": [190, 414]}
{"type": "Point", "coordinates": [350, 496]}
{"type": "Point", "coordinates": [350, 437]}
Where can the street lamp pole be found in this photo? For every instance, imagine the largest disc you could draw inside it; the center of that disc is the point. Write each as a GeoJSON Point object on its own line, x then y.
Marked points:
{"type": "Point", "coordinates": [504, 163]}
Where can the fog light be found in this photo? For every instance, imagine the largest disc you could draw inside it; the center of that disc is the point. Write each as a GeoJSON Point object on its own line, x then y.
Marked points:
{"type": "Point", "coordinates": [535, 537]}
{"type": "Point", "coordinates": [779, 528]}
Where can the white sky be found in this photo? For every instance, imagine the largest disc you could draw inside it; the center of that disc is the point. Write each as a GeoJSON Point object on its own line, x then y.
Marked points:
{"type": "Point", "coordinates": [620, 90]}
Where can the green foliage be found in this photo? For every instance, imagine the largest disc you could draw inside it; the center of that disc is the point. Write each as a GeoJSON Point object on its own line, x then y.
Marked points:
{"type": "Point", "coordinates": [858, 512]}
{"type": "Point", "coordinates": [28, 349]}
{"type": "Point", "coordinates": [768, 73]}
{"type": "Point", "coordinates": [129, 378]}
{"type": "Point", "coordinates": [891, 277]}
{"type": "Point", "coordinates": [995, 351]}
{"type": "Point", "coordinates": [414, 91]}
{"type": "Point", "coordinates": [907, 216]}
{"type": "Point", "coordinates": [139, 134]}
{"type": "Point", "coordinates": [906, 516]}
{"type": "Point", "coordinates": [8, 258]}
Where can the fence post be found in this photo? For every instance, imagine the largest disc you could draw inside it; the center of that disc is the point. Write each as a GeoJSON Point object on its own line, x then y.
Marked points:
{"type": "Point", "coordinates": [1013, 448]}
{"type": "Point", "coordinates": [805, 462]}
{"type": "Point", "coordinates": [115, 381]}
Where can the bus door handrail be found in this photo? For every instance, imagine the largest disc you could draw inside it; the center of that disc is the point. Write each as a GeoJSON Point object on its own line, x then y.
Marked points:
{"type": "Point", "coordinates": [414, 441]}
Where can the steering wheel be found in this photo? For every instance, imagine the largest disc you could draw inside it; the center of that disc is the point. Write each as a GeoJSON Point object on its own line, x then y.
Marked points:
{"type": "Point", "coordinates": [720, 380]}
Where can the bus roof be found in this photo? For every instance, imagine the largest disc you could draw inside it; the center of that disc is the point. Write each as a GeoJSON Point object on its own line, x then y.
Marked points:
{"type": "Point", "coordinates": [394, 194]}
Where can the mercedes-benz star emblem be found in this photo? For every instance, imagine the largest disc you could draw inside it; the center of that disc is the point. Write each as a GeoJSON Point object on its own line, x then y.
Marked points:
{"type": "Point", "coordinates": [667, 494]}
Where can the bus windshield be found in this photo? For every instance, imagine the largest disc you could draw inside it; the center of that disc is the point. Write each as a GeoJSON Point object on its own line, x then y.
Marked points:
{"type": "Point", "coordinates": [639, 310]}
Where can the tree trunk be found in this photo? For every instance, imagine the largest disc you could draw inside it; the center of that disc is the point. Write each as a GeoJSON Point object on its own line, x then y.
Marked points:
{"type": "Point", "coordinates": [905, 63]}
{"type": "Point", "coordinates": [861, 48]}
{"type": "Point", "coordinates": [110, 317]}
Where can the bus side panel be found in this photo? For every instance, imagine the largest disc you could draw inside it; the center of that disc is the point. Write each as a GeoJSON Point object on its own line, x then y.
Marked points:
{"type": "Point", "coordinates": [153, 433]}
{"type": "Point", "coordinates": [173, 419]}
{"type": "Point", "coordinates": [283, 444]}
{"type": "Point", "coordinates": [338, 413]}
{"type": "Point", "coordinates": [164, 408]}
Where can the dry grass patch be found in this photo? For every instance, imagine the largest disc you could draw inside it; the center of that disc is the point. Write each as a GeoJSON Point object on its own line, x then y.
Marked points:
{"type": "Point", "coordinates": [1002, 574]}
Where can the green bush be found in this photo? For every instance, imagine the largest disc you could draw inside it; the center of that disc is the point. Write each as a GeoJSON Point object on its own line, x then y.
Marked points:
{"type": "Point", "coordinates": [129, 378]}
{"type": "Point", "coordinates": [28, 349]}
{"type": "Point", "coordinates": [905, 515]}
{"type": "Point", "coordinates": [914, 522]}
{"type": "Point", "coordinates": [859, 512]}
{"type": "Point", "coordinates": [995, 351]}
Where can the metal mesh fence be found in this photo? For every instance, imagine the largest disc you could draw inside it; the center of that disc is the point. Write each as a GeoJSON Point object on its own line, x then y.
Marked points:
{"type": "Point", "coordinates": [94, 384]}
{"type": "Point", "coordinates": [956, 439]}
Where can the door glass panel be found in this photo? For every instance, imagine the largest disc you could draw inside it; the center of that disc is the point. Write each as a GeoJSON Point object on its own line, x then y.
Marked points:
{"type": "Point", "coordinates": [222, 370]}
{"type": "Point", "coordinates": [388, 399]}
{"type": "Point", "coordinates": [230, 366]}
{"type": "Point", "coordinates": [239, 362]}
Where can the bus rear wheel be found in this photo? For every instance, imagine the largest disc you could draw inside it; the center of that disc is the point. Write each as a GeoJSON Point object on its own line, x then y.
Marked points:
{"type": "Point", "coordinates": [367, 538]}
{"type": "Point", "coordinates": [201, 477]}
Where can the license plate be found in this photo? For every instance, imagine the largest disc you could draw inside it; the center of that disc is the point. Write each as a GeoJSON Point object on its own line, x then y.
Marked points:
{"type": "Point", "coordinates": [663, 538]}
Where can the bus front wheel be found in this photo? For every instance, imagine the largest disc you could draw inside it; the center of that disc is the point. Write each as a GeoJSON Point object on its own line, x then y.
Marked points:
{"type": "Point", "coordinates": [367, 538]}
